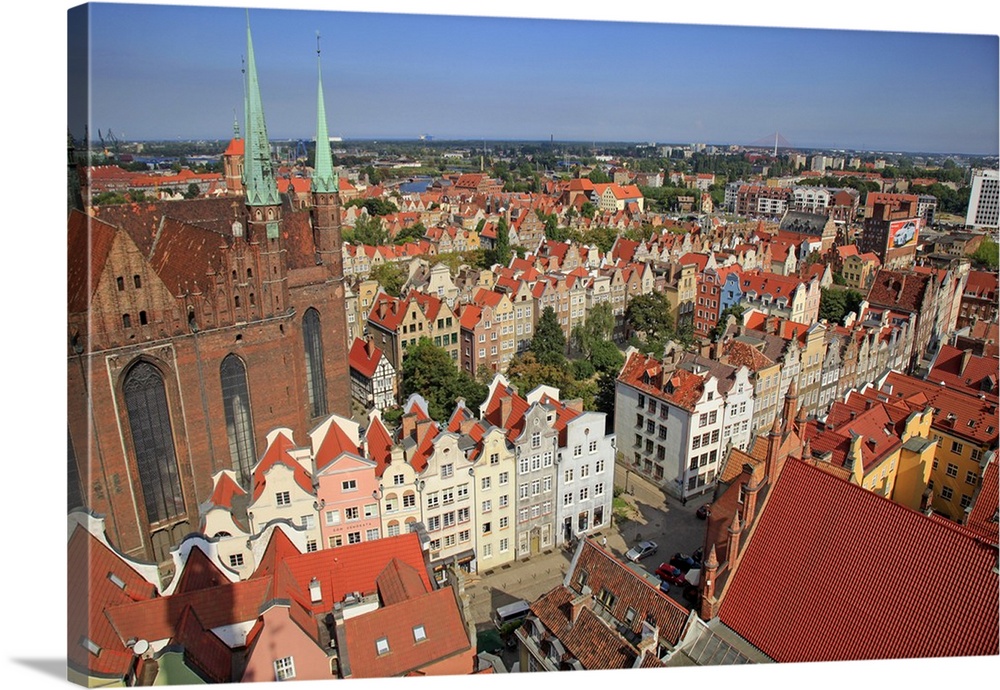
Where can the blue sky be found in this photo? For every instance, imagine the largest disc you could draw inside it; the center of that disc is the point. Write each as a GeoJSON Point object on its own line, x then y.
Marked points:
{"type": "Point", "coordinates": [174, 72]}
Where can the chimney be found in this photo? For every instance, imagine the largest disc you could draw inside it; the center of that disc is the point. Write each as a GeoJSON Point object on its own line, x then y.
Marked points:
{"type": "Point", "coordinates": [421, 429]}
{"type": "Point", "coordinates": [709, 605]}
{"type": "Point", "coordinates": [409, 424]}
{"type": "Point", "coordinates": [584, 600]}
{"type": "Point", "coordinates": [505, 406]}
{"type": "Point", "coordinates": [733, 541]}
{"type": "Point", "coordinates": [773, 446]}
{"type": "Point", "coordinates": [315, 591]}
{"type": "Point", "coordinates": [966, 356]}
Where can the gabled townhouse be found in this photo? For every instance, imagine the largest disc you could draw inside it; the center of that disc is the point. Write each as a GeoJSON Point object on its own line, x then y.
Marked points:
{"type": "Point", "coordinates": [911, 293]}
{"type": "Point", "coordinates": [346, 485]}
{"type": "Point", "coordinates": [487, 332]}
{"type": "Point", "coordinates": [493, 472]}
{"type": "Point", "coordinates": [525, 314]}
{"type": "Point", "coordinates": [673, 419]}
{"type": "Point", "coordinates": [224, 518]}
{"type": "Point", "coordinates": [449, 510]}
{"type": "Point", "coordinates": [859, 270]}
{"type": "Point", "coordinates": [283, 486]}
{"type": "Point", "coordinates": [744, 351]}
{"type": "Point", "coordinates": [584, 476]}
{"type": "Point", "coordinates": [785, 296]}
{"type": "Point", "coordinates": [398, 465]}
{"type": "Point", "coordinates": [711, 286]}
{"type": "Point", "coordinates": [737, 388]}
{"type": "Point", "coordinates": [373, 379]}
{"type": "Point", "coordinates": [531, 429]}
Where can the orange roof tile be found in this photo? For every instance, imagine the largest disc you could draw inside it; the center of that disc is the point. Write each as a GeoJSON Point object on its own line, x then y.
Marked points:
{"type": "Point", "coordinates": [811, 517]}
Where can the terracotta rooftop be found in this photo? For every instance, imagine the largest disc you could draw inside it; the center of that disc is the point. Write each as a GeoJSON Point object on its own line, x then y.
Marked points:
{"type": "Point", "coordinates": [398, 624]}
{"type": "Point", "coordinates": [820, 528]}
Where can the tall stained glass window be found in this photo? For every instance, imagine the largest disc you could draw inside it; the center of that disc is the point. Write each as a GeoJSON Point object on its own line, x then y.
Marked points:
{"type": "Point", "coordinates": [149, 422]}
{"type": "Point", "coordinates": [315, 379]}
{"type": "Point", "coordinates": [239, 421]}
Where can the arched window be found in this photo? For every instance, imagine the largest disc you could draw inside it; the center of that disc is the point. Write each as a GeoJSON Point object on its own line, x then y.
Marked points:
{"type": "Point", "coordinates": [239, 421]}
{"type": "Point", "coordinates": [149, 422]}
{"type": "Point", "coordinates": [315, 380]}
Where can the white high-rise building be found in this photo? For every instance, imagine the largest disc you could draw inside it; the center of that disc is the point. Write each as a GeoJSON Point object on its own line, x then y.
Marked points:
{"type": "Point", "coordinates": [984, 200]}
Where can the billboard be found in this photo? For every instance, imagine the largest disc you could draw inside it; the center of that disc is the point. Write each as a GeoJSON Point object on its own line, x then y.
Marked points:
{"type": "Point", "coordinates": [903, 232]}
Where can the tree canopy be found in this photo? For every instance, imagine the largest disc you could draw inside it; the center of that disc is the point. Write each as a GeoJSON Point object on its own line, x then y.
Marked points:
{"type": "Point", "coordinates": [835, 303]}
{"type": "Point", "coordinates": [390, 276]}
{"type": "Point", "coordinates": [367, 230]}
{"type": "Point", "coordinates": [648, 318]}
{"type": "Point", "coordinates": [430, 371]}
{"type": "Point", "coordinates": [987, 254]}
{"type": "Point", "coordinates": [549, 343]}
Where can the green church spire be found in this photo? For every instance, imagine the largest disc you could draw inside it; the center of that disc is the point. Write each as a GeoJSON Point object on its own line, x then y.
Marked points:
{"type": "Point", "coordinates": [259, 184]}
{"type": "Point", "coordinates": [324, 180]}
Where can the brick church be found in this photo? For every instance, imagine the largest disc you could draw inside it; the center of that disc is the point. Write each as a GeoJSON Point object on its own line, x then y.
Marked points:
{"type": "Point", "coordinates": [194, 328]}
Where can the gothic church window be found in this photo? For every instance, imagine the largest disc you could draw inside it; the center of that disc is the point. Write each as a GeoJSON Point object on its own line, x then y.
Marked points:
{"type": "Point", "coordinates": [315, 379]}
{"type": "Point", "coordinates": [152, 436]}
{"type": "Point", "coordinates": [239, 420]}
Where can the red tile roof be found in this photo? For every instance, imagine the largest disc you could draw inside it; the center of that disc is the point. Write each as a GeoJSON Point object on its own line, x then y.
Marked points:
{"type": "Point", "coordinates": [335, 443]}
{"type": "Point", "coordinates": [445, 636]}
{"type": "Point", "coordinates": [952, 369]}
{"type": "Point", "coordinates": [983, 515]}
{"type": "Point", "coordinates": [225, 490]}
{"type": "Point", "coordinates": [859, 581]}
{"type": "Point", "coordinates": [398, 582]}
{"type": "Point", "coordinates": [202, 648]}
{"type": "Point", "coordinates": [88, 253]}
{"type": "Point", "coordinates": [235, 148]}
{"type": "Point", "coordinates": [355, 567]}
{"type": "Point", "coordinates": [899, 290]}
{"type": "Point", "coordinates": [680, 387]}
{"type": "Point", "coordinates": [90, 566]}
{"type": "Point", "coordinates": [277, 454]}
{"type": "Point", "coordinates": [379, 444]}
{"type": "Point", "coordinates": [198, 572]}
{"type": "Point", "coordinates": [364, 357]}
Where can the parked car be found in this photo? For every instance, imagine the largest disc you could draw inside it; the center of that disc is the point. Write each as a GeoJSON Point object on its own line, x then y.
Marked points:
{"type": "Point", "coordinates": [704, 512]}
{"type": "Point", "coordinates": [641, 550]}
{"type": "Point", "coordinates": [684, 562]}
{"type": "Point", "coordinates": [670, 574]}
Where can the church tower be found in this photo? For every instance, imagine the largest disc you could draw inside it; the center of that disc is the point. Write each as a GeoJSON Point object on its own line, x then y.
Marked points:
{"type": "Point", "coordinates": [263, 202]}
{"type": "Point", "coordinates": [325, 192]}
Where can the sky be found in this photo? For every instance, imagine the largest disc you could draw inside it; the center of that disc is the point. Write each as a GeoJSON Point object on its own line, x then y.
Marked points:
{"type": "Point", "coordinates": [174, 72]}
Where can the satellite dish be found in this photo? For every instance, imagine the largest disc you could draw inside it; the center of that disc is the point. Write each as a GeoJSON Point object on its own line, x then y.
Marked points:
{"type": "Point", "coordinates": [140, 647]}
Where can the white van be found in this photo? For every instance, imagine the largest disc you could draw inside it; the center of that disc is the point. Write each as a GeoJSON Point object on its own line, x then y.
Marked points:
{"type": "Point", "coordinates": [511, 612]}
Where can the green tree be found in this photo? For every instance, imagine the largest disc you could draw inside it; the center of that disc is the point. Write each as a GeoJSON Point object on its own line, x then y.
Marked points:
{"type": "Point", "coordinates": [603, 237]}
{"type": "Point", "coordinates": [835, 303]}
{"type": "Point", "coordinates": [588, 210]}
{"type": "Point", "coordinates": [549, 343]}
{"type": "Point", "coordinates": [390, 276]}
{"type": "Point", "coordinates": [987, 254]}
{"type": "Point", "coordinates": [368, 230]}
{"type": "Point", "coordinates": [411, 233]}
{"type": "Point", "coordinates": [606, 357]}
{"type": "Point", "coordinates": [648, 318]}
{"type": "Point", "coordinates": [604, 399]}
{"type": "Point", "coordinates": [526, 373]}
{"type": "Point", "coordinates": [192, 191]}
{"type": "Point", "coordinates": [430, 371]}
{"type": "Point", "coordinates": [598, 176]}
{"type": "Point", "coordinates": [735, 310]}
{"type": "Point", "coordinates": [501, 253]}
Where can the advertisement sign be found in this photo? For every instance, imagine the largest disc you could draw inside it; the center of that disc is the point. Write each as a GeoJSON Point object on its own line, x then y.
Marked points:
{"type": "Point", "coordinates": [903, 232]}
